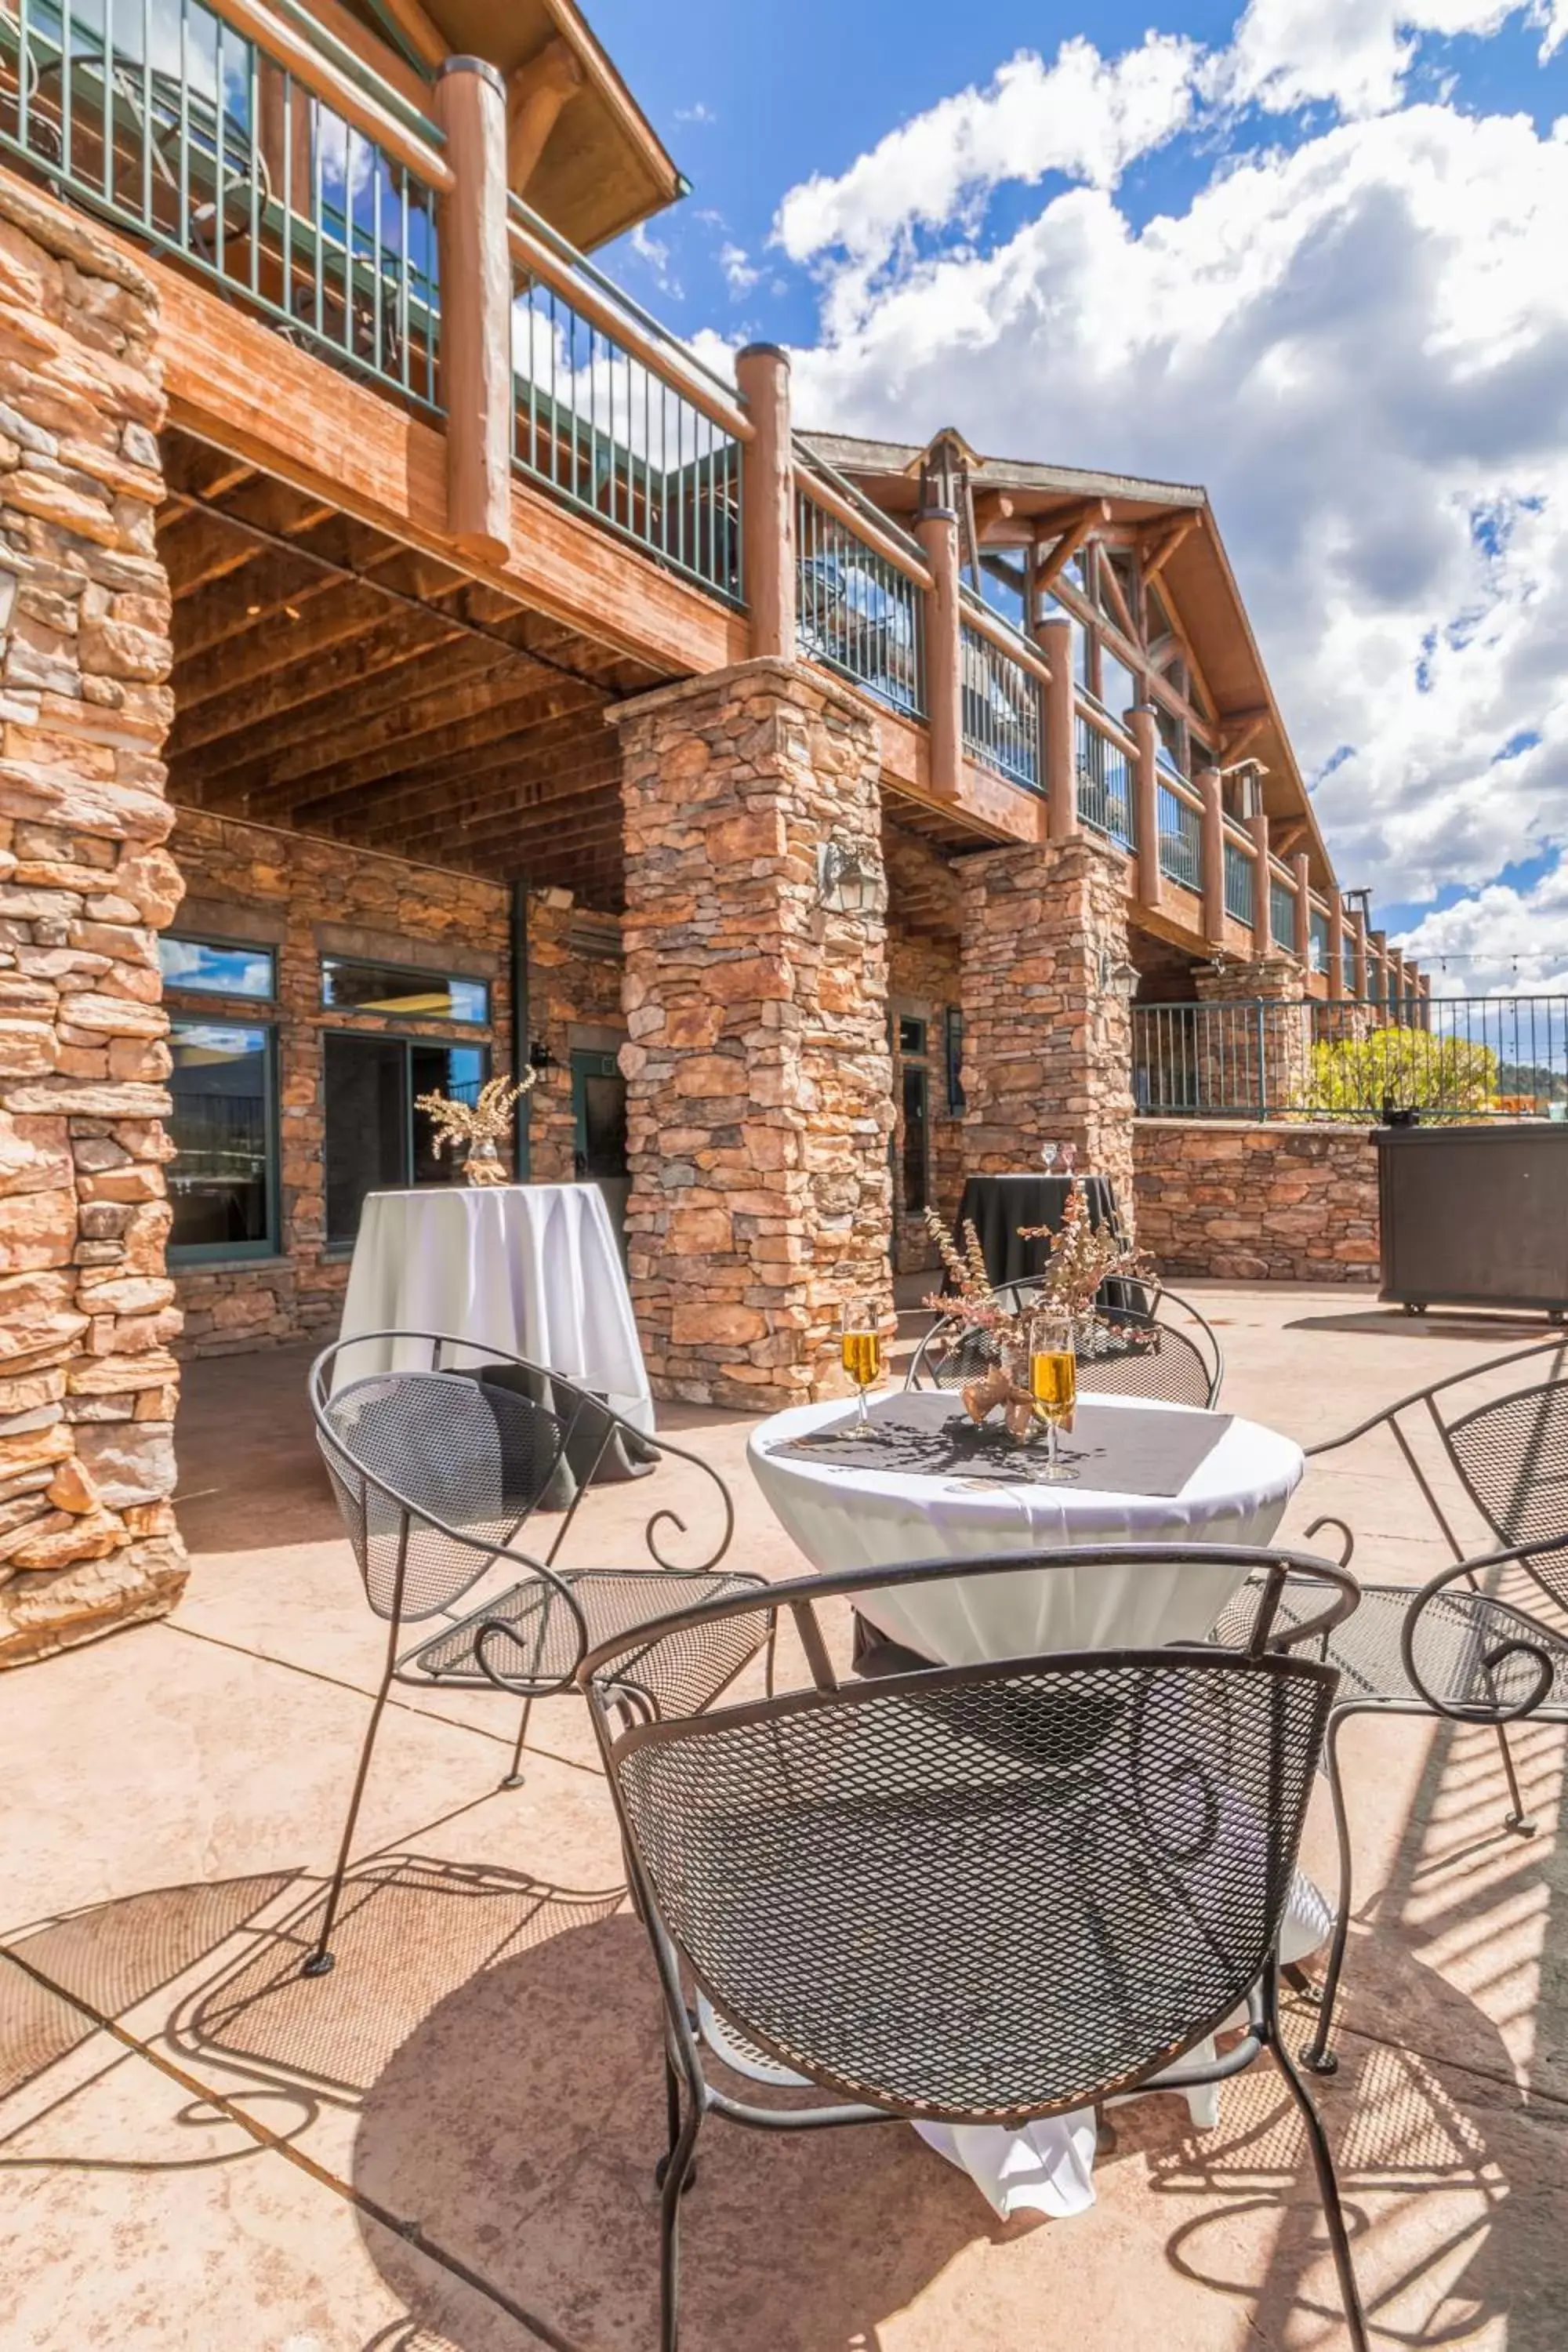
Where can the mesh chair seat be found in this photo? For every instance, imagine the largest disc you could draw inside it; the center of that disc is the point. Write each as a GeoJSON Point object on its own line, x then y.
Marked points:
{"type": "Point", "coordinates": [545, 1643]}
{"type": "Point", "coordinates": [1458, 1631]}
{"type": "Point", "coordinates": [995, 1900]}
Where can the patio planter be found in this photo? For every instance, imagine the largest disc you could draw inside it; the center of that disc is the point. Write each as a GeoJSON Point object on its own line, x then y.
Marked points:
{"type": "Point", "coordinates": [1475, 1216]}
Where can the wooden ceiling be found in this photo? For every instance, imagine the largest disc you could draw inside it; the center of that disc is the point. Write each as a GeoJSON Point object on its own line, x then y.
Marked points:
{"type": "Point", "coordinates": [330, 679]}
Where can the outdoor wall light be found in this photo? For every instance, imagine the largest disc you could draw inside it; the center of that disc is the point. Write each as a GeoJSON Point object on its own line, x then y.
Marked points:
{"type": "Point", "coordinates": [540, 1058]}
{"type": "Point", "coordinates": [1117, 976]}
{"type": "Point", "coordinates": [847, 881]}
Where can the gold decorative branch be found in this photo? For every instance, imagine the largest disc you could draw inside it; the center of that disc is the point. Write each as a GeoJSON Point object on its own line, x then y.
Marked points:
{"type": "Point", "coordinates": [484, 1121]}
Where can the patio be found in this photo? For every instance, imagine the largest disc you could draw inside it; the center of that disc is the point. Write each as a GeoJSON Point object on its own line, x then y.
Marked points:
{"type": "Point", "coordinates": [447, 2146]}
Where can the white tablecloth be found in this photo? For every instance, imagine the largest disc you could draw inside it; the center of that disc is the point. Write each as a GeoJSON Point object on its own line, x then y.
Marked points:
{"type": "Point", "coordinates": [532, 1269]}
{"type": "Point", "coordinates": [870, 1518]}
{"type": "Point", "coordinates": [845, 1518]}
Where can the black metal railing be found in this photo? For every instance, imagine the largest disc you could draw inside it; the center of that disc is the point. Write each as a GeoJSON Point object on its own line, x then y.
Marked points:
{"type": "Point", "coordinates": [1467, 1058]}
{"type": "Point", "coordinates": [1104, 784]}
{"type": "Point", "coordinates": [1181, 836]}
{"type": "Point", "coordinates": [1239, 883]}
{"type": "Point", "coordinates": [1000, 710]}
{"type": "Point", "coordinates": [174, 127]}
{"type": "Point", "coordinates": [857, 612]}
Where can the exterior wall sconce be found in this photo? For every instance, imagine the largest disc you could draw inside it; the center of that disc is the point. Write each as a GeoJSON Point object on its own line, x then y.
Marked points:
{"type": "Point", "coordinates": [1117, 977]}
{"type": "Point", "coordinates": [540, 1058]}
{"type": "Point", "coordinates": [847, 882]}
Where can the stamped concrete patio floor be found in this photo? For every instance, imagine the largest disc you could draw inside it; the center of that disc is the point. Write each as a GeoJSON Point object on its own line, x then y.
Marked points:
{"type": "Point", "coordinates": [447, 2146]}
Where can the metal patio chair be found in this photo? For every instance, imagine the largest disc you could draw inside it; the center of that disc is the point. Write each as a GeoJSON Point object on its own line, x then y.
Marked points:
{"type": "Point", "coordinates": [1166, 1350]}
{"type": "Point", "coordinates": [983, 1893]}
{"type": "Point", "coordinates": [436, 1473]}
{"type": "Point", "coordinates": [1451, 1647]}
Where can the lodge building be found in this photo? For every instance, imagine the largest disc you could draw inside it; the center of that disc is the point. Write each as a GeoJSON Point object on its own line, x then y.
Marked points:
{"type": "Point", "coordinates": [418, 668]}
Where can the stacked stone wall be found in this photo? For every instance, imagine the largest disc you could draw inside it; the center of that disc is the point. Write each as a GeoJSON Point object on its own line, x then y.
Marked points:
{"type": "Point", "coordinates": [87, 1384]}
{"type": "Point", "coordinates": [1254, 1202]}
{"type": "Point", "coordinates": [1047, 1044]}
{"type": "Point", "coordinates": [293, 891]}
{"type": "Point", "coordinates": [759, 1081]}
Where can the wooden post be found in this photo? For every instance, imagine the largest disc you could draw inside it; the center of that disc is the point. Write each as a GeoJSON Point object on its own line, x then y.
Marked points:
{"type": "Point", "coordinates": [1336, 943]}
{"type": "Point", "coordinates": [1145, 733]}
{"type": "Point", "coordinates": [761, 374]}
{"type": "Point", "coordinates": [535, 97]}
{"type": "Point", "coordinates": [1213, 790]}
{"type": "Point", "coordinates": [1262, 922]}
{"type": "Point", "coordinates": [1377, 963]}
{"type": "Point", "coordinates": [1302, 866]}
{"type": "Point", "coordinates": [1358, 937]}
{"type": "Point", "coordinates": [937, 530]}
{"type": "Point", "coordinates": [476, 309]}
{"type": "Point", "coordinates": [1397, 985]}
{"type": "Point", "coordinates": [1054, 634]}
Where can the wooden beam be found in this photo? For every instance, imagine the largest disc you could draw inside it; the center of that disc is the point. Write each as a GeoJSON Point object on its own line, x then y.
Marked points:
{"type": "Point", "coordinates": [1107, 575]}
{"type": "Point", "coordinates": [1240, 728]}
{"type": "Point", "coordinates": [476, 715]}
{"type": "Point", "coordinates": [550, 747]}
{"type": "Point", "coordinates": [535, 95]}
{"type": "Point", "coordinates": [1161, 546]}
{"type": "Point", "coordinates": [314, 70]}
{"type": "Point", "coordinates": [993, 524]}
{"type": "Point", "coordinates": [370, 648]}
{"type": "Point", "coordinates": [418, 28]}
{"type": "Point", "coordinates": [1075, 529]}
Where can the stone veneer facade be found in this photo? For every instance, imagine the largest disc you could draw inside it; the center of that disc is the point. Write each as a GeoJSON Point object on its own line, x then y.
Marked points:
{"type": "Point", "coordinates": [303, 897]}
{"type": "Point", "coordinates": [759, 1092]}
{"type": "Point", "coordinates": [1047, 1049]}
{"type": "Point", "coordinates": [1245, 1201]}
{"type": "Point", "coordinates": [87, 1384]}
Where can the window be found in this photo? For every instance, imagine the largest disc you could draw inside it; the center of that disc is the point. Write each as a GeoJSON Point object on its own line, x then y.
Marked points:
{"type": "Point", "coordinates": [223, 1183]}
{"type": "Point", "coordinates": [953, 1024]}
{"type": "Point", "coordinates": [1118, 689]}
{"type": "Point", "coordinates": [911, 1035]}
{"type": "Point", "coordinates": [211, 967]}
{"type": "Point", "coordinates": [916, 1152]}
{"type": "Point", "coordinates": [351, 987]}
{"type": "Point", "coordinates": [377, 1138]}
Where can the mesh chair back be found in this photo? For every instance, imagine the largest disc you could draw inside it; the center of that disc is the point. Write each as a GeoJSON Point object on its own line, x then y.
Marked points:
{"type": "Point", "coordinates": [1513, 1455]}
{"type": "Point", "coordinates": [977, 1892]}
{"type": "Point", "coordinates": [405, 1451]}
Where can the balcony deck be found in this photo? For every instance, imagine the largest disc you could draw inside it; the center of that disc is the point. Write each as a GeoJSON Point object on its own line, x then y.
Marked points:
{"type": "Point", "coordinates": [447, 2146]}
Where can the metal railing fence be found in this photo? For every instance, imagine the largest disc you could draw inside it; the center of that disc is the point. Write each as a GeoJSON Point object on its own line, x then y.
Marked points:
{"type": "Point", "coordinates": [1181, 838]}
{"type": "Point", "coordinates": [1281, 913]}
{"type": "Point", "coordinates": [1239, 870]}
{"type": "Point", "coordinates": [1467, 1058]}
{"type": "Point", "coordinates": [857, 612]}
{"type": "Point", "coordinates": [1104, 784]}
{"type": "Point", "coordinates": [165, 120]}
{"type": "Point", "coordinates": [595, 425]}
{"type": "Point", "coordinates": [1320, 939]}
{"type": "Point", "coordinates": [1001, 703]}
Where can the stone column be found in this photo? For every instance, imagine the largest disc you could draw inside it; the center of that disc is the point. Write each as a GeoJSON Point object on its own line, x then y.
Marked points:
{"type": "Point", "coordinates": [88, 1385]}
{"type": "Point", "coordinates": [1048, 1049]}
{"type": "Point", "coordinates": [1254, 1049]}
{"type": "Point", "coordinates": [759, 1081]}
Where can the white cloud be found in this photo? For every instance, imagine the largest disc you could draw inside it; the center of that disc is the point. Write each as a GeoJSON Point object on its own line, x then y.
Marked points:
{"type": "Point", "coordinates": [1353, 53]}
{"type": "Point", "coordinates": [696, 112]}
{"type": "Point", "coordinates": [1082, 116]}
{"type": "Point", "coordinates": [1498, 940]}
{"type": "Point", "coordinates": [1359, 344]}
{"type": "Point", "coordinates": [1552, 18]}
{"type": "Point", "coordinates": [740, 273]}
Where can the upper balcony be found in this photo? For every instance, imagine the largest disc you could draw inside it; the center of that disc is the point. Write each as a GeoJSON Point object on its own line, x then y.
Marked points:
{"type": "Point", "coordinates": [360, 203]}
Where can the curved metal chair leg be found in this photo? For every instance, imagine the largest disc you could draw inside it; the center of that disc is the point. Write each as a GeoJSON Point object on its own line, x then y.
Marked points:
{"type": "Point", "coordinates": [675, 2177]}
{"type": "Point", "coordinates": [514, 1779]}
{"type": "Point", "coordinates": [1317, 2055]}
{"type": "Point", "coordinates": [1516, 1817]}
{"type": "Point", "coordinates": [1329, 2191]}
{"type": "Point", "coordinates": [321, 1961]}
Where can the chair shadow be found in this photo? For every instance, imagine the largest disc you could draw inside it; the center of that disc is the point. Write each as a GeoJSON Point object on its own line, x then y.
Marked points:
{"type": "Point", "coordinates": [522, 2119]}
{"type": "Point", "coordinates": [1438, 1323]}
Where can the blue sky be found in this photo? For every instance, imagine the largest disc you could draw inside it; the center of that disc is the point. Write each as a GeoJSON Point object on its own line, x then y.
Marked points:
{"type": "Point", "coordinates": [1308, 252]}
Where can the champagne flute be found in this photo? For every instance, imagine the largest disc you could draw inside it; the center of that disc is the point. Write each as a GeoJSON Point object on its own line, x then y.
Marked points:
{"type": "Point", "coordinates": [1053, 1383]}
{"type": "Point", "coordinates": [1048, 1154]}
{"type": "Point", "coordinates": [860, 1352]}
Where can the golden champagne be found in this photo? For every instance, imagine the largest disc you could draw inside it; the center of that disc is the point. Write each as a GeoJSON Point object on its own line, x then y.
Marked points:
{"type": "Point", "coordinates": [1053, 1383]}
{"type": "Point", "coordinates": [862, 1355]}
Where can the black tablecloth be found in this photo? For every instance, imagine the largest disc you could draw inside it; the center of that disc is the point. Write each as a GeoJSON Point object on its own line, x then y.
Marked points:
{"type": "Point", "coordinates": [1118, 1449]}
{"type": "Point", "coordinates": [998, 1206]}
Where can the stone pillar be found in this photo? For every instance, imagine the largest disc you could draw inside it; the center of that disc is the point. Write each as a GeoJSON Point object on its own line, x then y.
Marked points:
{"type": "Point", "coordinates": [1047, 1050]}
{"type": "Point", "coordinates": [759, 1081]}
{"type": "Point", "coordinates": [88, 1385]}
{"type": "Point", "coordinates": [1254, 1049]}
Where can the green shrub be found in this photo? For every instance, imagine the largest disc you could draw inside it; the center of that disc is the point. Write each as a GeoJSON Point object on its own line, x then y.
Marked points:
{"type": "Point", "coordinates": [1349, 1076]}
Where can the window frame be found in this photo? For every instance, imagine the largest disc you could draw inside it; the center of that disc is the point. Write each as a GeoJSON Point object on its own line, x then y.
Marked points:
{"type": "Point", "coordinates": [198, 1253]}
{"type": "Point", "coordinates": [268, 947]}
{"type": "Point", "coordinates": [336, 1245]}
{"type": "Point", "coordinates": [429, 974]}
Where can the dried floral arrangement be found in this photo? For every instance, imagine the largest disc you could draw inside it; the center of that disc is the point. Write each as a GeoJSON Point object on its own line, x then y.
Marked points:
{"type": "Point", "coordinates": [481, 1125]}
{"type": "Point", "coordinates": [1082, 1257]}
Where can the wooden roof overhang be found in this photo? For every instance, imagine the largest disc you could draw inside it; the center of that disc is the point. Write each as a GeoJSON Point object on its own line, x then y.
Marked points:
{"type": "Point", "coordinates": [334, 680]}
{"type": "Point", "coordinates": [1018, 504]}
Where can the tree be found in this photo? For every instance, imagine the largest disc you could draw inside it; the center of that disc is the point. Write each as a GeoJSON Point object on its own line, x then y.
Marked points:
{"type": "Point", "coordinates": [1353, 1077]}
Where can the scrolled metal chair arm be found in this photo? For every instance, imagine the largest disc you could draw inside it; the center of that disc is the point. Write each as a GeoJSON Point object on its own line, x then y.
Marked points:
{"type": "Point", "coordinates": [1544, 1652]}
{"type": "Point", "coordinates": [657, 1445]}
{"type": "Point", "coordinates": [1329, 1520]}
{"type": "Point", "coordinates": [1347, 1598]}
